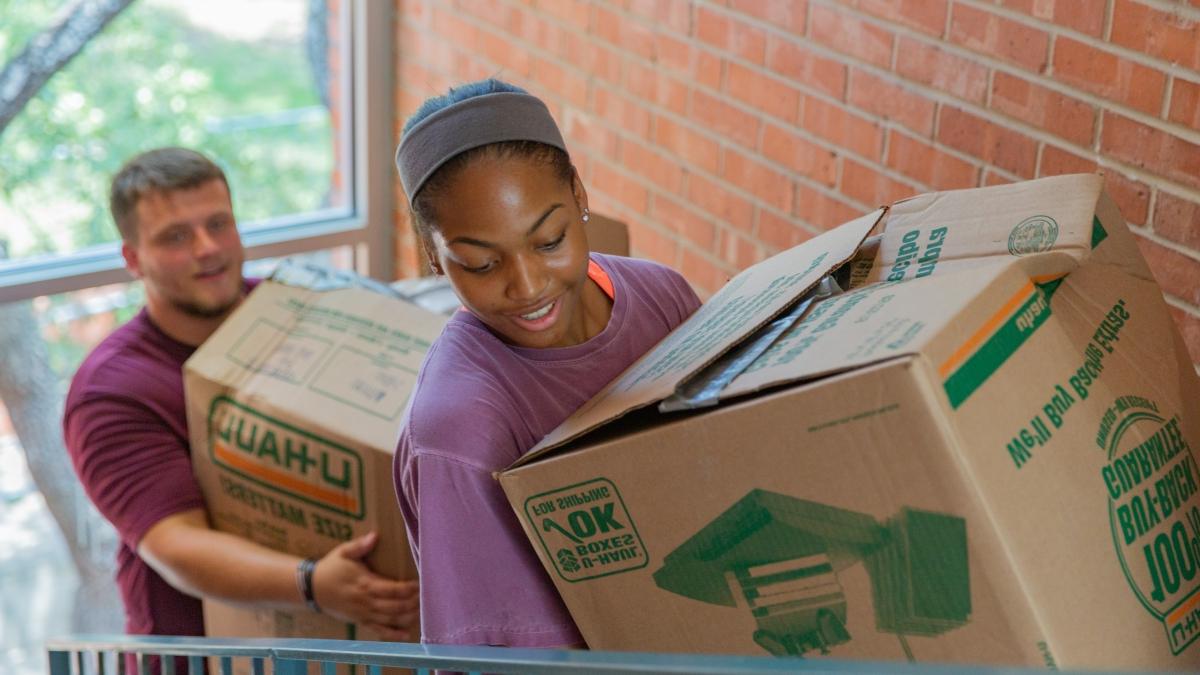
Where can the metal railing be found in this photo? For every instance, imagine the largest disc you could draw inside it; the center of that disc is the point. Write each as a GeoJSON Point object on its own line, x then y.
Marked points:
{"type": "Point", "coordinates": [107, 655]}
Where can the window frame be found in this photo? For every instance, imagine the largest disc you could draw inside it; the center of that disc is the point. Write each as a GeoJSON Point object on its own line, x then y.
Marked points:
{"type": "Point", "coordinates": [368, 229]}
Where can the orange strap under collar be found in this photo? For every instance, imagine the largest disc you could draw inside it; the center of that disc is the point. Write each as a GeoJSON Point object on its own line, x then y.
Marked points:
{"type": "Point", "coordinates": [597, 274]}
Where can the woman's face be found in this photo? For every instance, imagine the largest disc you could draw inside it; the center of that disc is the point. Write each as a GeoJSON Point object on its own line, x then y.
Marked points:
{"type": "Point", "coordinates": [509, 235]}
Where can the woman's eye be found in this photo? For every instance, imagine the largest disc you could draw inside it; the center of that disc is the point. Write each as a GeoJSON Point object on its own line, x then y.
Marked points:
{"type": "Point", "coordinates": [478, 270]}
{"type": "Point", "coordinates": [550, 246]}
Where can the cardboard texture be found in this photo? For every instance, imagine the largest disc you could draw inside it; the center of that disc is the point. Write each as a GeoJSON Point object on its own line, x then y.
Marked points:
{"type": "Point", "coordinates": [983, 451]}
{"type": "Point", "coordinates": [293, 410]}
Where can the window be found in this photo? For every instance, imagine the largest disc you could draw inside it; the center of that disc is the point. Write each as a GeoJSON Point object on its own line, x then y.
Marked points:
{"type": "Point", "coordinates": [276, 91]}
{"type": "Point", "coordinates": [293, 98]}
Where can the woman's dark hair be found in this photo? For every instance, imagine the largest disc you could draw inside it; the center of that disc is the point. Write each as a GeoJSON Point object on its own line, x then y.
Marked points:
{"type": "Point", "coordinates": [423, 201]}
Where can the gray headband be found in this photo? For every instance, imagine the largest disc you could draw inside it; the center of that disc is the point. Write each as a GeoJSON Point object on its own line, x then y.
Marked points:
{"type": "Point", "coordinates": [471, 123]}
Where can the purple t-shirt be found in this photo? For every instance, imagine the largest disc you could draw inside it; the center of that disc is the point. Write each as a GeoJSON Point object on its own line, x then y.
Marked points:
{"type": "Point", "coordinates": [479, 404]}
{"type": "Point", "coordinates": [125, 426]}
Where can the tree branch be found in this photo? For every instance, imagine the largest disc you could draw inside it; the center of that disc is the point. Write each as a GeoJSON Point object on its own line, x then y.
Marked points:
{"type": "Point", "coordinates": [51, 50]}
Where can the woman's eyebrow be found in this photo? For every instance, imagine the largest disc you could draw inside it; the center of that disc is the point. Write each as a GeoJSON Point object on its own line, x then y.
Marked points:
{"type": "Point", "coordinates": [485, 244]}
{"type": "Point", "coordinates": [543, 218]}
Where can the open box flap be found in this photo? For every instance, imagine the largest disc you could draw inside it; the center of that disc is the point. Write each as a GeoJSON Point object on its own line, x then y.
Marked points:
{"type": "Point", "coordinates": [739, 309]}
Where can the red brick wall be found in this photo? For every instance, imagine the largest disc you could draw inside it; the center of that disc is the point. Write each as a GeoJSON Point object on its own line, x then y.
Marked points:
{"type": "Point", "coordinates": [724, 131]}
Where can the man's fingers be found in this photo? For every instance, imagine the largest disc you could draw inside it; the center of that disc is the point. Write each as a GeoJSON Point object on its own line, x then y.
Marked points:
{"type": "Point", "coordinates": [359, 547]}
{"type": "Point", "coordinates": [410, 621]}
{"type": "Point", "coordinates": [382, 587]}
{"type": "Point", "coordinates": [394, 634]}
{"type": "Point", "coordinates": [406, 620]}
{"type": "Point", "coordinates": [390, 607]}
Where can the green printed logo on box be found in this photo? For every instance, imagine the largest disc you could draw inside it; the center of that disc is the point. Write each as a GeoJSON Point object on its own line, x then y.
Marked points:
{"type": "Point", "coordinates": [1033, 235]}
{"type": "Point", "coordinates": [284, 458]}
{"type": "Point", "coordinates": [586, 530]}
{"type": "Point", "coordinates": [1154, 508]}
{"type": "Point", "coordinates": [780, 557]}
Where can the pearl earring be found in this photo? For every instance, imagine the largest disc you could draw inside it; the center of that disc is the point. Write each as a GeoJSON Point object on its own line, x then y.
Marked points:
{"type": "Point", "coordinates": [585, 215]}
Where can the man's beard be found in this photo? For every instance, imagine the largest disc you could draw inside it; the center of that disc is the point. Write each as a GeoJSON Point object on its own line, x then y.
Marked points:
{"type": "Point", "coordinates": [206, 312]}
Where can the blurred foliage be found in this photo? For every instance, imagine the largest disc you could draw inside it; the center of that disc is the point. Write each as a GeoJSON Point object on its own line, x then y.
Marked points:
{"type": "Point", "coordinates": [150, 79]}
{"type": "Point", "coordinates": [153, 79]}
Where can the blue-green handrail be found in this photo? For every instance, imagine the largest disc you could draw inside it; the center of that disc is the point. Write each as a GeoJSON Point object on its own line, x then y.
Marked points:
{"type": "Point", "coordinates": [100, 655]}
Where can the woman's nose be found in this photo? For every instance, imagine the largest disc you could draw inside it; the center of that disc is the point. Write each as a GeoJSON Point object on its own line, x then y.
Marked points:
{"type": "Point", "coordinates": [527, 280]}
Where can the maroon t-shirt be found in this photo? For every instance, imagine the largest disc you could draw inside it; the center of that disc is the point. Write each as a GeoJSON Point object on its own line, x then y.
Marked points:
{"type": "Point", "coordinates": [125, 427]}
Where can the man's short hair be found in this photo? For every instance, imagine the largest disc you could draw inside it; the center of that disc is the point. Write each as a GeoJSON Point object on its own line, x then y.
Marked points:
{"type": "Point", "coordinates": [159, 170]}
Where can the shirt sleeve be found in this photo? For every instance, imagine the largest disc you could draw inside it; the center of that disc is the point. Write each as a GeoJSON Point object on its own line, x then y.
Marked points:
{"type": "Point", "coordinates": [135, 469]}
{"type": "Point", "coordinates": [481, 582]}
{"type": "Point", "coordinates": [688, 301]}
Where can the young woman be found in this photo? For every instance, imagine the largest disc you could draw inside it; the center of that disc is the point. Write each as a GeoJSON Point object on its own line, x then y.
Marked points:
{"type": "Point", "coordinates": [502, 213]}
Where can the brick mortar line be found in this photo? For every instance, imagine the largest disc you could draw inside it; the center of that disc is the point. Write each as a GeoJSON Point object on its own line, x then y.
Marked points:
{"type": "Point", "coordinates": [662, 230]}
{"type": "Point", "coordinates": [1157, 238]}
{"type": "Point", "coordinates": [1187, 195]}
{"type": "Point", "coordinates": [805, 224]}
{"type": "Point", "coordinates": [619, 209]}
{"type": "Point", "coordinates": [1105, 43]}
{"type": "Point", "coordinates": [1186, 12]}
{"type": "Point", "coordinates": [939, 96]}
{"type": "Point", "coordinates": [992, 63]}
{"type": "Point", "coordinates": [804, 39]}
{"type": "Point", "coordinates": [1003, 173]}
{"type": "Point", "coordinates": [1168, 94]}
{"type": "Point", "coordinates": [887, 75]}
{"type": "Point", "coordinates": [711, 256]}
{"type": "Point", "coordinates": [1154, 181]}
{"type": "Point", "coordinates": [988, 114]}
{"type": "Point", "coordinates": [689, 122]}
{"type": "Point", "coordinates": [1187, 307]}
{"type": "Point", "coordinates": [1102, 161]}
{"type": "Point", "coordinates": [1151, 206]}
{"type": "Point", "coordinates": [929, 92]}
{"type": "Point", "coordinates": [1037, 158]}
{"type": "Point", "coordinates": [996, 64]}
{"type": "Point", "coordinates": [656, 190]}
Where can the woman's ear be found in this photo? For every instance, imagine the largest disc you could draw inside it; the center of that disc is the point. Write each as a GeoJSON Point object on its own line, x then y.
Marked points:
{"type": "Point", "coordinates": [431, 258]}
{"type": "Point", "coordinates": [579, 193]}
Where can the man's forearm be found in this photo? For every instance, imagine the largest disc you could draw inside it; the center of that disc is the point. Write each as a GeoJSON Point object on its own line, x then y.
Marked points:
{"type": "Point", "coordinates": [204, 562]}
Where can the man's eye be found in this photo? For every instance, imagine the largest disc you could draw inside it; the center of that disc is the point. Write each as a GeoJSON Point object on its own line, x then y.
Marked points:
{"type": "Point", "coordinates": [174, 237]}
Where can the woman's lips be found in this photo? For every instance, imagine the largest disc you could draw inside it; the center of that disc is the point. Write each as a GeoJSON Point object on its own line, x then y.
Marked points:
{"type": "Point", "coordinates": [545, 316]}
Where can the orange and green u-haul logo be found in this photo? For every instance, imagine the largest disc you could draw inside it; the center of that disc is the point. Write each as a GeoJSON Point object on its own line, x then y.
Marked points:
{"type": "Point", "coordinates": [983, 353]}
{"type": "Point", "coordinates": [285, 459]}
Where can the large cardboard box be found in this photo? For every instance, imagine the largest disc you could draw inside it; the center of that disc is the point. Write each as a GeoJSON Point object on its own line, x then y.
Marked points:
{"type": "Point", "coordinates": [983, 451]}
{"type": "Point", "coordinates": [294, 407]}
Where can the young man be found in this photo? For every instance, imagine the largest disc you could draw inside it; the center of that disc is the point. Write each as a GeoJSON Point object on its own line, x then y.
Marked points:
{"type": "Point", "coordinates": [126, 428]}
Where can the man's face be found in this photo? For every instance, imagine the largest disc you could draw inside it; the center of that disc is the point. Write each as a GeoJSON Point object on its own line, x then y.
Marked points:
{"type": "Point", "coordinates": [510, 239]}
{"type": "Point", "coordinates": [188, 252]}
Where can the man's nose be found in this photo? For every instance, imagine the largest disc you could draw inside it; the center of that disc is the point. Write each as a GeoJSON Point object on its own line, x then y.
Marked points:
{"type": "Point", "coordinates": [203, 242]}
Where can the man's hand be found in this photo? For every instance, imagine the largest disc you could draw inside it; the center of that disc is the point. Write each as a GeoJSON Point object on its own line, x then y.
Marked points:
{"type": "Point", "coordinates": [204, 562]}
{"type": "Point", "coordinates": [345, 588]}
